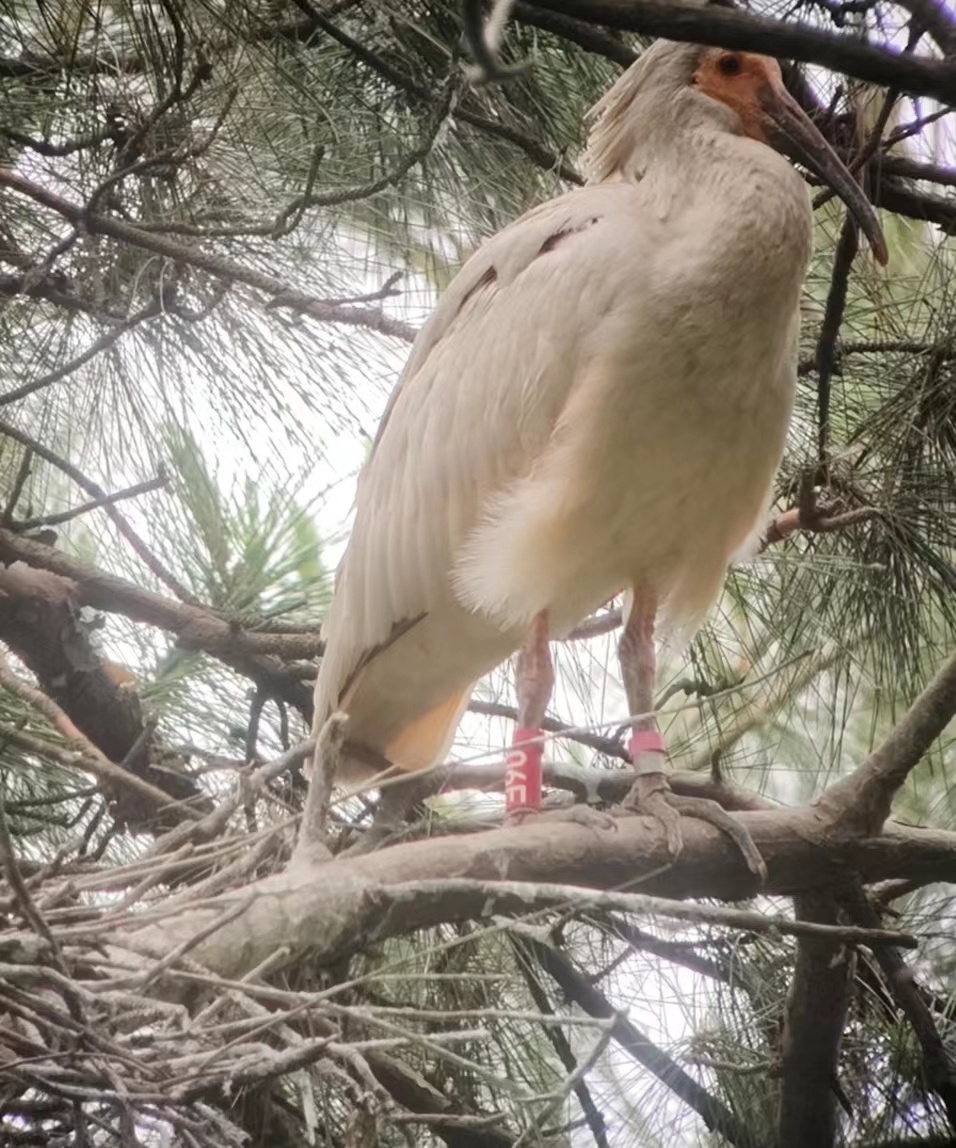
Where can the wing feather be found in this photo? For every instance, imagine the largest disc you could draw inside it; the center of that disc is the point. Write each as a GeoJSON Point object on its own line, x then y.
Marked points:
{"type": "Point", "coordinates": [484, 387]}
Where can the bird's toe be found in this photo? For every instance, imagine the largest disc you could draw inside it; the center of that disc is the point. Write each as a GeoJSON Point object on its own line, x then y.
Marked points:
{"type": "Point", "coordinates": [706, 810]}
{"type": "Point", "coordinates": [650, 795]}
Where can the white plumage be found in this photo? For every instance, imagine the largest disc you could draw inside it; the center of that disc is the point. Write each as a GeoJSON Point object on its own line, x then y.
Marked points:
{"type": "Point", "coordinates": [599, 401]}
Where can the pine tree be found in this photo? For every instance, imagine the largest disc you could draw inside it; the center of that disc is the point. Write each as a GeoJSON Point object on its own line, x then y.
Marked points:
{"type": "Point", "coordinates": [221, 224]}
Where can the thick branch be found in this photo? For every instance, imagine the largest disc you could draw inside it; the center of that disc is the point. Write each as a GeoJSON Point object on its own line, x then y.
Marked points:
{"type": "Point", "coordinates": [813, 1029]}
{"type": "Point", "coordinates": [861, 803]}
{"type": "Point", "coordinates": [248, 653]}
{"type": "Point", "coordinates": [336, 908]}
{"type": "Point", "coordinates": [731, 28]}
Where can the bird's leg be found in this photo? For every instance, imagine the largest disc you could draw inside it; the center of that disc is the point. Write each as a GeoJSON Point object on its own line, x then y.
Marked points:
{"type": "Point", "coordinates": [651, 792]}
{"type": "Point", "coordinates": [533, 685]}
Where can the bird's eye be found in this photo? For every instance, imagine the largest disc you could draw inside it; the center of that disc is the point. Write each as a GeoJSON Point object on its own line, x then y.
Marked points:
{"type": "Point", "coordinates": [729, 65]}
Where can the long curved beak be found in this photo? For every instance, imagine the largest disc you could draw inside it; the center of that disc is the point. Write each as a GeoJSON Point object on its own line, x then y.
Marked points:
{"type": "Point", "coordinates": [791, 131]}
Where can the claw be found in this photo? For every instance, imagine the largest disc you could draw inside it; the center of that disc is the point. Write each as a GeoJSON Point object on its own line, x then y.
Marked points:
{"type": "Point", "coordinates": [651, 795]}
{"type": "Point", "coordinates": [706, 810]}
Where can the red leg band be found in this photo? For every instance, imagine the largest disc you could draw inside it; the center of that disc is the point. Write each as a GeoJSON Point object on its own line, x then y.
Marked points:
{"type": "Point", "coordinates": [523, 771]}
{"type": "Point", "coordinates": [645, 741]}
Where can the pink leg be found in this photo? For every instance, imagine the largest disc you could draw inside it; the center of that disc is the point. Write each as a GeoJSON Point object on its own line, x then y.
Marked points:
{"type": "Point", "coordinates": [535, 681]}
{"type": "Point", "coordinates": [646, 746]}
{"type": "Point", "coordinates": [639, 671]}
{"type": "Point", "coordinates": [651, 792]}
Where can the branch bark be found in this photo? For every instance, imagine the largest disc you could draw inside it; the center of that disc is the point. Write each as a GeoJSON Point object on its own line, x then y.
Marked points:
{"type": "Point", "coordinates": [731, 28]}
{"type": "Point", "coordinates": [860, 804]}
{"type": "Point", "coordinates": [813, 1030]}
{"type": "Point", "coordinates": [334, 909]}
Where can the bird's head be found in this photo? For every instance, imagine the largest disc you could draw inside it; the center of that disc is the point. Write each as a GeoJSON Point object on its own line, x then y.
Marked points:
{"type": "Point", "coordinates": [674, 87]}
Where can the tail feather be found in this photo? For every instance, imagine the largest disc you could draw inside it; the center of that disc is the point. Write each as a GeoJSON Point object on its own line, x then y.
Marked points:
{"type": "Point", "coordinates": [426, 740]}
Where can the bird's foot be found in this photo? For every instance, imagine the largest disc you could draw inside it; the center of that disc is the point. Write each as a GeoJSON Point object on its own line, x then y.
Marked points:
{"type": "Point", "coordinates": [651, 794]}
{"type": "Point", "coordinates": [704, 809]}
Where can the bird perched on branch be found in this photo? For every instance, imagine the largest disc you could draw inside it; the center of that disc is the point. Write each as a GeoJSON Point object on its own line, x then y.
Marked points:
{"type": "Point", "coordinates": [598, 404]}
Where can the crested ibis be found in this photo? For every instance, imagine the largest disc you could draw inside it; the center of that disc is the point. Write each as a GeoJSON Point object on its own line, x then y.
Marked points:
{"type": "Point", "coordinates": [598, 404]}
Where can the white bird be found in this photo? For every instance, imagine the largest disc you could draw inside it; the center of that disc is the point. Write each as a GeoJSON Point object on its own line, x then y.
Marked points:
{"type": "Point", "coordinates": [598, 404]}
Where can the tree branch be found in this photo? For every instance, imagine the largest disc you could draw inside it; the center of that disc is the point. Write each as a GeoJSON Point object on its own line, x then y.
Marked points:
{"type": "Point", "coordinates": [218, 266]}
{"type": "Point", "coordinates": [105, 501]}
{"type": "Point", "coordinates": [196, 628]}
{"type": "Point", "coordinates": [813, 1029]}
{"type": "Point", "coordinates": [87, 756]}
{"type": "Point", "coordinates": [334, 909]}
{"type": "Point", "coordinates": [732, 28]}
{"type": "Point", "coordinates": [40, 622]}
{"type": "Point", "coordinates": [635, 1043]}
{"type": "Point", "coordinates": [860, 804]}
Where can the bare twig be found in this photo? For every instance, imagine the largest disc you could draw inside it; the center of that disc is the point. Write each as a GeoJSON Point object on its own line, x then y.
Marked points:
{"type": "Point", "coordinates": [148, 558]}
{"type": "Point", "coordinates": [513, 897]}
{"type": "Point", "coordinates": [846, 250]}
{"type": "Point", "coordinates": [157, 483]}
{"type": "Point", "coordinates": [328, 753]}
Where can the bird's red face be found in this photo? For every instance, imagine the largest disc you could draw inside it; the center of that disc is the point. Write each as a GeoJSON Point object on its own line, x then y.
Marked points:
{"type": "Point", "coordinates": [741, 80]}
{"type": "Point", "coordinates": [752, 87]}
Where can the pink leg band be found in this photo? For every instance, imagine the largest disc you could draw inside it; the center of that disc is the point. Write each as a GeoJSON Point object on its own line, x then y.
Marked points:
{"type": "Point", "coordinates": [645, 741]}
{"type": "Point", "coordinates": [523, 771]}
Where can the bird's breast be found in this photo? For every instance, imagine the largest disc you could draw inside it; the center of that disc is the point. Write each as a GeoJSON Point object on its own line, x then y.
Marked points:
{"type": "Point", "coordinates": [662, 460]}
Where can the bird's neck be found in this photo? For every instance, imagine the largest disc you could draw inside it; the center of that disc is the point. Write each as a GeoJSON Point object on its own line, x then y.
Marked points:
{"type": "Point", "coordinates": [737, 203]}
